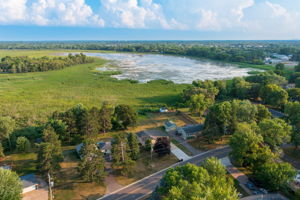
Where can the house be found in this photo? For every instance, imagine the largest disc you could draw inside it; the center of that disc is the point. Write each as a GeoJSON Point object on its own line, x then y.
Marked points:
{"type": "Point", "coordinates": [105, 148]}
{"type": "Point", "coordinates": [189, 131]}
{"type": "Point", "coordinates": [30, 183]}
{"type": "Point", "coordinates": [143, 136]}
{"type": "Point", "coordinates": [170, 126]}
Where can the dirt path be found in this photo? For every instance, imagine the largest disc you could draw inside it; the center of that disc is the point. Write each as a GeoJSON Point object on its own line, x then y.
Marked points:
{"type": "Point", "coordinates": [110, 181]}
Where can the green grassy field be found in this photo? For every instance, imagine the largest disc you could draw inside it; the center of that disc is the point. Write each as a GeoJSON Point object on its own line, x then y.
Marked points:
{"type": "Point", "coordinates": [36, 95]}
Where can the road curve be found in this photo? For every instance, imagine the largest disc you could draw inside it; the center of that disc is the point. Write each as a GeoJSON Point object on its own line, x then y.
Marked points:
{"type": "Point", "coordinates": [145, 186]}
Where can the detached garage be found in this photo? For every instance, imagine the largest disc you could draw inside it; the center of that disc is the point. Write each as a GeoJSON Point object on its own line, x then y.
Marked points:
{"type": "Point", "coordinates": [29, 182]}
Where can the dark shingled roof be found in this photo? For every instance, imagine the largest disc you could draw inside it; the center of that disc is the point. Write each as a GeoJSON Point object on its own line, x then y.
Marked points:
{"type": "Point", "coordinates": [193, 128]}
{"type": "Point", "coordinates": [29, 180]}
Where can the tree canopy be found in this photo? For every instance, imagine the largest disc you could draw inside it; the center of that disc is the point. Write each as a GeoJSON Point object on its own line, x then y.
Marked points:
{"type": "Point", "coordinates": [193, 182]}
{"type": "Point", "coordinates": [10, 185]}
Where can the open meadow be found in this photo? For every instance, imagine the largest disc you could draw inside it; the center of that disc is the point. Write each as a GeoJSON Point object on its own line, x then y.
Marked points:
{"type": "Point", "coordinates": [34, 96]}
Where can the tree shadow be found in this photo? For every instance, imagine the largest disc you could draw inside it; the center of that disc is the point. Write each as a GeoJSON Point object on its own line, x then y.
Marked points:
{"type": "Point", "coordinates": [161, 100]}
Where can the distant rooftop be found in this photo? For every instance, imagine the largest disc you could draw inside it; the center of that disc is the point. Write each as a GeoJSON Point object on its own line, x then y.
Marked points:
{"type": "Point", "coordinates": [29, 180]}
{"type": "Point", "coordinates": [193, 128]}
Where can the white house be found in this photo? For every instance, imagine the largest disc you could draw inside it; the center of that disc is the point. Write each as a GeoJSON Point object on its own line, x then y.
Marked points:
{"type": "Point", "coordinates": [170, 126]}
{"type": "Point", "coordinates": [29, 182]}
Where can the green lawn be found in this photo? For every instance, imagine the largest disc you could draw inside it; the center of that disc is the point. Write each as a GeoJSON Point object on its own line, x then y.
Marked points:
{"type": "Point", "coordinates": [23, 164]}
{"type": "Point", "coordinates": [36, 95]}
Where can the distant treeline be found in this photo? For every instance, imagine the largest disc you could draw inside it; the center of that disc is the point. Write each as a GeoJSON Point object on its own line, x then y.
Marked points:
{"type": "Point", "coordinates": [252, 52]}
{"type": "Point", "coordinates": [23, 64]}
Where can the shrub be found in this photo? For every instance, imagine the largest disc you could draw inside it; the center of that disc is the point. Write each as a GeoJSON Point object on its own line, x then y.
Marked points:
{"type": "Point", "coordinates": [23, 144]}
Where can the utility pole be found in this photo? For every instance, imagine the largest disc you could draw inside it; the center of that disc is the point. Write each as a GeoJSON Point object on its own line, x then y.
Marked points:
{"type": "Point", "coordinates": [122, 149]}
{"type": "Point", "coordinates": [151, 151]}
{"type": "Point", "coordinates": [50, 185]}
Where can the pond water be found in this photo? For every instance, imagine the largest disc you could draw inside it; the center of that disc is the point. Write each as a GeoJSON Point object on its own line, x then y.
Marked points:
{"type": "Point", "coordinates": [146, 67]}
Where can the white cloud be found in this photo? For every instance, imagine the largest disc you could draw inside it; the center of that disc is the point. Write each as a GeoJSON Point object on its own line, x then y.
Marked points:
{"type": "Point", "coordinates": [48, 12]}
{"type": "Point", "coordinates": [134, 14]}
{"type": "Point", "coordinates": [12, 11]}
{"type": "Point", "coordinates": [257, 17]}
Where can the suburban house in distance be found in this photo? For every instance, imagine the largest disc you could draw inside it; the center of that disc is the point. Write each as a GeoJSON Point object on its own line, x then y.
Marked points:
{"type": "Point", "coordinates": [143, 136]}
{"type": "Point", "coordinates": [30, 183]}
{"type": "Point", "coordinates": [105, 147]}
{"type": "Point", "coordinates": [189, 131]}
{"type": "Point", "coordinates": [170, 126]}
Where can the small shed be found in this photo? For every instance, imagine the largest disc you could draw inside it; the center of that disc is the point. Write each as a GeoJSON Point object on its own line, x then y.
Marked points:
{"type": "Point", "coordinates": [30, 183]}
{"type": "Point", "coordinates": [170, 126]}
{"type": "Point", "coordinates": [163, 110]}
{"type": "Point", "coordinates": [189, 131]}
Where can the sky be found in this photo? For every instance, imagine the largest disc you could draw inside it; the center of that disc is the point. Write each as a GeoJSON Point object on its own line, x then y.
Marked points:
{"type": "Point", "coordinates": [28, 20]}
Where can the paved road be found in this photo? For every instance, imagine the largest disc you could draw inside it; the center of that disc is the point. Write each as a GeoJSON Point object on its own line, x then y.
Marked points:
{"type": "Point", "coordinates": [145, 186]}
{"type": "Point", "coordinates": [266, 197]}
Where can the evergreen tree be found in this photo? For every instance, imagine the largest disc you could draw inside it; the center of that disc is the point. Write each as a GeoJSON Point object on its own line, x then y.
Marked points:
{"type": "Point", "coordinates": [105, 117]}
{"type": "Point", "coordinates": [92, 166]}
{"type": "Point", "coordinates": [134, 146]}
{"type": "Point", "coordinates": [121, 154]}
{"type": "Point", "coordinates": [49, 152]}
{"type": "Point", "coordinates": [90, 122]}
{"type": "Point", "coordinates": [125, 116]}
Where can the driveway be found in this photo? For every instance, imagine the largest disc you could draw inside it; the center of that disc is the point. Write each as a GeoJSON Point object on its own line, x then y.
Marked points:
{"type": "Point", "coordinates": [40, 194]}
{"type": "Point", "coordinates": [184, 143]}
{"type": "Point", "coordinates": [236, 174]}
{"type": "Point", "coordinates": [179, 153]}
{"type": "Point", "coordinates": [110, 181]}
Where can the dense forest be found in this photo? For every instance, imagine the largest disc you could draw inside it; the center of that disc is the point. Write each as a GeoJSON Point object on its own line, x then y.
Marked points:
{"type": "Point", "coordinates": [252, 52]}
{"type": "Point", "coordinates": [25, 64]}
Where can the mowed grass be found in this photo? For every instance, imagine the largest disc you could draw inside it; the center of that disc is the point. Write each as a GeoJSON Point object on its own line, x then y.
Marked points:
{"type": "Point", "coordinates": [23, 164]}
{"type": "Point", "coordinates": [36, 95]}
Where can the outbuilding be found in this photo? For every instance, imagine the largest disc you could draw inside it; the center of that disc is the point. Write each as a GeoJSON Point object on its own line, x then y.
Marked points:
{"type": "Point", "coordinates": [170, 126]}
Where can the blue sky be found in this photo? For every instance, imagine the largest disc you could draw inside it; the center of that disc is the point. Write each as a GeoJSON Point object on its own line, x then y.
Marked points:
{"type": "Point", "coordinates": [149, 19]}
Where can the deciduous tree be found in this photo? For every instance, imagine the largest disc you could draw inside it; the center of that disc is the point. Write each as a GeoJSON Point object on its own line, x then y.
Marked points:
{"type": "Point", "coordinates": [7, 125]}
{"type": "Point", "coordinates": [248, 148]}
{"type": "Point", "coordinates": [274, 95]}
{"type": "Point", "coordinates": [10, 185]}
{"type": "Point", "coordinates": [275, 175]}
{"type": "Point", "coordinates": [193, 182]}
{"type": "Point", "coordinates": [275, 131]}
{"type": "Point", "coordinates": [23, 145]}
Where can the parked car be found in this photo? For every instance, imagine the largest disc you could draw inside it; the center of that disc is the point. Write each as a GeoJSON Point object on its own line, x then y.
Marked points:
{"type": "Point", "coordinates": [250, 185]}
{"type": "Point", "coordinates": [263, 191]}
